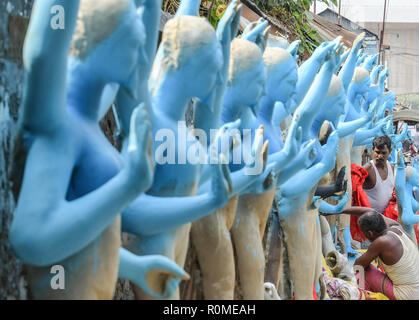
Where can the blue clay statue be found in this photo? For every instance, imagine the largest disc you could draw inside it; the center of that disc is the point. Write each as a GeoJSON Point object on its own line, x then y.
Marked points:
{"type": "Point", "coordinates": [246, 85]}
{"type": "Point", "coordinates": [404, 188]}
{"type": "Point", "coordinates": [298, 217]}
{"type": "Point", "coordinates": [72, 217]}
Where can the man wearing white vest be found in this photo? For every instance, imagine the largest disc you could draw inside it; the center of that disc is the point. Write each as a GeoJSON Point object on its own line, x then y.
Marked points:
{"type": "Point", "coordinates": [379, 184]}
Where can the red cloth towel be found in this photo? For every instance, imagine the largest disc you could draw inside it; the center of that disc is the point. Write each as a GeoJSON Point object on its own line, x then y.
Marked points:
{"type": "Point", "coordinates": [359, 198]}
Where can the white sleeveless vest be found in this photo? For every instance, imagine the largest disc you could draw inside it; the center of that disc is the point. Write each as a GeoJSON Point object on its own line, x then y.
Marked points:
{"type": "Point", "coordinates": [380, 195]}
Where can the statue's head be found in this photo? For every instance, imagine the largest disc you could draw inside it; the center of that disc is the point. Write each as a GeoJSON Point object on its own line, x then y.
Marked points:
{"type": "Point", "coordinates": [108, 36]}
{"type": "Point", "coordinates": [361, 81]}
{"type": "Point", "coordinates": [282, 74]}
{"type": "Point", "coordinates": [192, 53]}
{"type": "Point", "coordinates": [334, 104]}
{"type": "Point", "coordinates": [247, 74]}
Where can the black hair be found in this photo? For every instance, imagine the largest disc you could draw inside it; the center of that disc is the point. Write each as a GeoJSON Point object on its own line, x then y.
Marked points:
{"type": "Point", "coordinates": [381, 142]}
{"type": "Point", "coordinates": [372, 221]}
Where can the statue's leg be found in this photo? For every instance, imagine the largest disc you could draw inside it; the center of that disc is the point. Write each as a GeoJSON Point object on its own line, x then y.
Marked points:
{"type": "Point", "coordinates": [212, 240]}
{"type": "Point", "coordinates": [251, 215]}
{"type": "Point", "coordinates": [300, 237]}
{"type": "Point", "coordinates": [319, 254]}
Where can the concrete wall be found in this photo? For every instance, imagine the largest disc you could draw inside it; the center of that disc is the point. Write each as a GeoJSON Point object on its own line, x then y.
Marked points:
{"type": "Point", "coordinates": [403, 56]}
{"type": "Point", "coordinates": [401, 34]}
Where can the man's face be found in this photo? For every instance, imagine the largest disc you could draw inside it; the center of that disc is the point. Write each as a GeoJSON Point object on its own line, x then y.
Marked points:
{"type": "Point", "coordinates": [381, 155]}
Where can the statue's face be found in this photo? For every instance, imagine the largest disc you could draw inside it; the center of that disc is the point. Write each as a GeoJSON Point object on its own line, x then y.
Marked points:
{"type": "Point", "coordinates": [334, 107]}
{"type": "Point", "coordinates": [282, 81]}
{"type": "Point", "coordinates": [202, 71]}
{"type": "Point", "coordinates": [363, 87]}
{"type": "Point", "coordinates": [249, 86]}
{"type": "Point", "coordinates": [115, 58]}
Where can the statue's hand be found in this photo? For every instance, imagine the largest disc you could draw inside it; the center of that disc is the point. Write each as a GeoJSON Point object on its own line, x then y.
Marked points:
{"type": "Point", "coordinates": [331, 151]}
{"type": "Point", "coordinates": [293, 140]}
{"type": "Point", "coordinates": [333, 58]}
{"type": "Point", "coordinates": [166, 270]}
{"type": "Point", "coordinates": [138, 156]}
{"type": "Point", "coordinates": [309, 152]}
{"type": "Point", "coordinates": [383, 76]}
{"type": "Point", "coordinates": [293, 48]}
{"type": "Point", "coordinates": [227, 137]}
{"type": "Point", "coordinates": [372, 114]}
{"type": "Point", "coordinates": [341, 205]}
{"type": "Point", "coordinates": [228, 25]}
{"type": "Point", "coordinates": [322, 52]}
{"type": "Point", "coordinates": [221, 184]}
{"type": "Point", "coordinates": [356, 45]}
{"type": "Point", "coordinates": [259, 154]}
{"type": "Point", "coordinates": [257, 32]}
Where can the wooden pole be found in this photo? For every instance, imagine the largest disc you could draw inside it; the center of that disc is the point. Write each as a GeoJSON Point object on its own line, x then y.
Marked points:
{"type": "Point", "coordinates": [382, 33]}
{"type": "Point", "coordinates": [339, 17]}
{"type": "Point", "coordinates": [315, 2]}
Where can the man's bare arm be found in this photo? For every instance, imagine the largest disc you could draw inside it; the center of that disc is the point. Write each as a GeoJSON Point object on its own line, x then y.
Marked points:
{"type": "Point", "coordinates": [374, 250]}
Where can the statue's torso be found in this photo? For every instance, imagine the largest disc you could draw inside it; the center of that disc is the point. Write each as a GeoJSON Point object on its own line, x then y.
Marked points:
{"type": "Point", "coordinates": [92, 272]}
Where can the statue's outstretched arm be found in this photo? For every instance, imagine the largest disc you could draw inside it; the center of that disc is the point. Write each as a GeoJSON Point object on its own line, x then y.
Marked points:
{"type": "Point", "coordinates": [149, 215]}
{"type": "Point", "coordinates": [308, 70]}
{"type": "Point", "coordinates": [306, 179]}
{"type": "Point", "coordinates": [327, 208]}
{"type": "Point", "coordinates": [150, 14]}
{"type": "Point", "coordinates": [313, 101]}
{"type": "Point", "coordinates": [303, 160]}
{"type": "Point", "coordinates": [348, 68]}
{"type": "Point", "coordinates": [188, 8]}
{"type": "Point", "coordinates": [135, 268]}
{"type": "Point", "coordinates": [291, 146]}
{"type": "Point", "coordinates": [207, 114]}
{"type": "Point", "coordinates": [257, 32]}
{"type": "Point", "coordinates": [342, 60]}
{"type": "Point", "coordinates": [370, 62]}
{"type": "Point", "coordinates": [362, 136]}
{"type": "Point", "coordinates": [374, 73]}
{"type": "Point", "coordinates": [45, 55]}
{"type": "Point", "coordinates": [346, 128]}
{"type": "Point", "coordinates": [46, 227]}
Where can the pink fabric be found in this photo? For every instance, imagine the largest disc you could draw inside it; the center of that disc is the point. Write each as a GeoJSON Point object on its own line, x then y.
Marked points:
{"type": "Point", "coordinates": [377, 281]}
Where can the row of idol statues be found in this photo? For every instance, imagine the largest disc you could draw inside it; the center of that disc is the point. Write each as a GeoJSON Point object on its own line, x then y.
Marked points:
{"type": "Point", "coordinates": [280, 133]}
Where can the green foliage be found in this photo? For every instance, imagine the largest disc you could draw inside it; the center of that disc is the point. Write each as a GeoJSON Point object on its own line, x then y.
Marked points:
{"type": "Point", "coordinates": [216, 11]}
{"type": "Point", "coordinates": [295, 14]}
